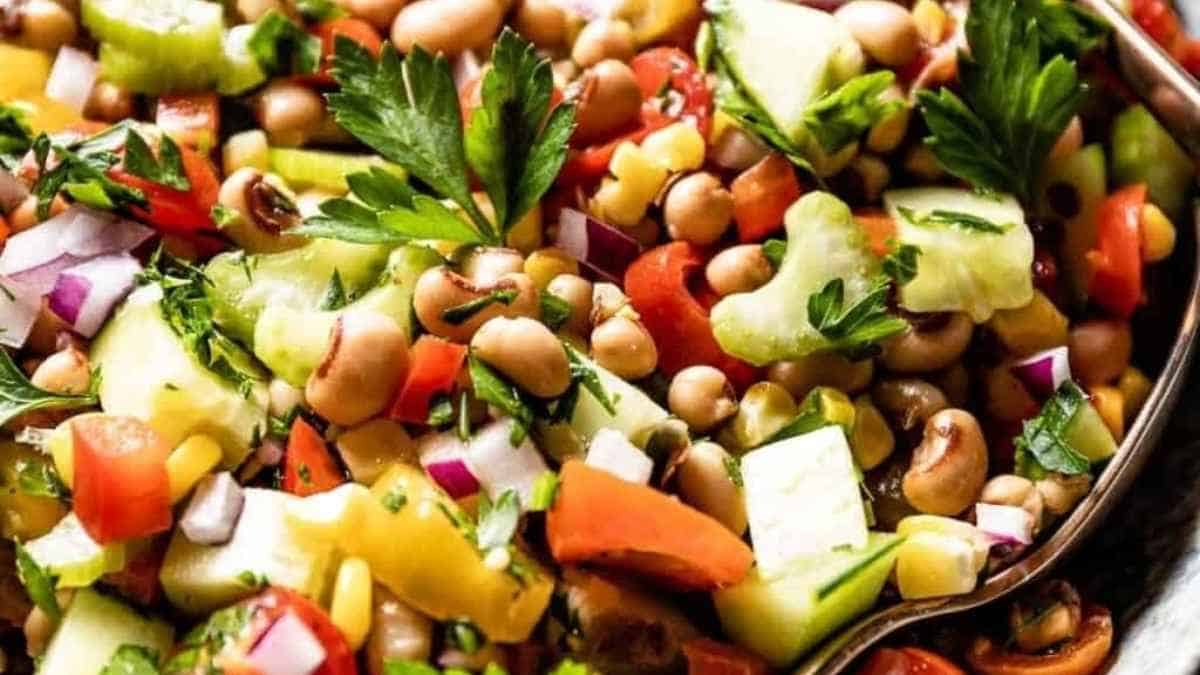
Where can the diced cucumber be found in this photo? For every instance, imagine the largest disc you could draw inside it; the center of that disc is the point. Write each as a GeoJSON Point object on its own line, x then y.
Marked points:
{"type": "Point", "coordinates": [145, 75]}
{"type": "Point", "coordinates": [636, 413]}
{"type": "Point", "coordinates": [240, 71]}
{"type": "Point", "coordinates": [324, 170]}
{"type": "Point", "coordinates": [70, 554]}
{"type": "Point", "coordinates": [961, 269]}
{"type": "Point", "coordinates": [155, 46]}
{"type": "Point", "coordinates": [151, 375]}
{"type": "Point", "coordinates": [784, 617]}
{"type": "Point", "coordinates": [1081, 180]}
{"type": "Point", "coordinates": [199, 579]}
{"type": "Point", "coordinates": [1089, 435]}
{"type": "Point", "coordinates": [1144, 152]}
{"type": "Point", "coordinates": [93, 628]}
{"type": "Point", "coordinates": [823, 243]}
{"type": "Point", "coordinates": [803, 499]}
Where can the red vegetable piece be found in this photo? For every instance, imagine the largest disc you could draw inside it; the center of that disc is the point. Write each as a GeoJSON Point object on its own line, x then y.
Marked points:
{"type": "Point", "coordinates": [265, 609]}
{"type": "Point", "coordinates": [308, 467]}
{"type": "Point", "coordinates": [761, 195]}
{"type": "Point", "coordinates": [361, 32]}
{"type": "Point", "coordinates": [661, 67]}
{"type": "Point", "coordinates": [657, 285]}
{"type": "Point", "coordinates": [192, 120]}
{"type": "Point", "coordinates": [121, 489]}
{"type": "Point", "coordinates": [709, 657]}
{"type": "Point", "coordinates": [1117, 260]}
{"type": "Point", "coordinates": [139, 580]}
{"type": "Point", "coordinates": [176, 211]}
{"type": "Point", "coordinates": [433, 368]}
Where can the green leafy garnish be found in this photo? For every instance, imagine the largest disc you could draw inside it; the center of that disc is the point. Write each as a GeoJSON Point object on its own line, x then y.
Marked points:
{"type": "Point", "coordinates": [282, 47]}
{"type": "Point", "coordinates": [406, 667]}
{"type": "Point", "coordinates": [203, 641]}
{"type": "Point", "coordinates": [570, 667]}
{"type": "Point", "coordinates": [223, 216]}
{"type": "Point", "coordinates": [441, 411]}
{"type": "Point", "coordinates": [15, 136]}
{"type": "Point", "coordinates": [1014, 107]}
{"type": "Point", "coordinates": [854, 330]}
{"type": "Point", "coordinates": [589, 379]}
{"type": "Point", "coordinates": [395, 499]}
{"type": "Point", "coordinates": [18, 395]}
{"type": "Point", "coordinates": [750, 115]}
{"type": "Point", "coordinates": [545, 489]}
{"type": "Point", "coordinates": [132, 660]}
{"type": "Point", "coordinates": [493, 389]}
{"type": "Point", "coordinates": [460, 314]}
{"type": "Point", "coordinates": [1066, 27]}
{"type": "Point", "coordinates": [555, 310]}
{"type": "Point", "coordinates": [252, 579]}
{"type": "Point", "coordinates": [166, 170]}
{"type": "Point", "coordinates": [464, 636]}
{"type": "Point", "coordinates": [1041, 447]}
{"type": "Point", "coordinates": [944, 218]}
{"type": "Point", "coordinates": [464, 417]}
{"type": "Point", "coordinates": [39, 479]}
{"type": "Point", "coordinates": [733, 469]}
{"type": "Point", "coordinates": [901, 263]}
{"type": "Point", "coordinates": [497, 520]}
{"type": "Point", "coordinates": [335, 293]}
{"type": "Point", "coordinates": [82, 176]}
{"type": "Point", "coordinates": [38, 583]}
{"type": "Point", "coordinates": [842, 116]}
{"type": "Point", "coordinates": [774, 250]}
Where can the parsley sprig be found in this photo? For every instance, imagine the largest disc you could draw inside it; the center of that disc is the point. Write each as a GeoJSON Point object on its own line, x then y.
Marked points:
{"type": "Point", "coordinates": [81, 173]}
{"type": "Point", "coordinates": [1042, 446]}
{"type": "Point", "coordinates": [856, 329]}
{"type": "Point", "coordinates": [15, 136]}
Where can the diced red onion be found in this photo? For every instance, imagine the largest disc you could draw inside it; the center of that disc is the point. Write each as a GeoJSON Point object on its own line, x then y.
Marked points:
{"type": "Point", "coordinates": [1004, 524]}
{"type": "Point", "coordinates": [288, 648]}
{"type": "Point", "coordinates": [1044, 372]}
{"type": "Point", "coordinates": [72, 78]}
{"type": "Point", "coordinates": [598, 246]}
{"type": "Point", "coordinates": [611, 451]}
{"type": "Point", "coordinates": [501, 467]}
{"type": "Point", "coordinates": [444, 458]}
{"type": "Point", "coordinates": [212, 514]}
{"type": "Point", "coordinates": [12, 191]}
{"type": "Point", "coordinates": [86, 294]}
{"type": "Point", "coordinates": [19, 308]}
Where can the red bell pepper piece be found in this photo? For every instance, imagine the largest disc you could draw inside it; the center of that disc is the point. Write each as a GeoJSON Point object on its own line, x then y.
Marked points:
{"type": "Point", "coordinates": [193, 120]}
{"type": "Point", "coordinates": [121, 486]}
{"type": "Point", "coordinates": [177, 211]}
{"type": "Point", "coordinates": [761, 195]}
{"type": "Point", "coordinates": [433, 368]}
{"type": "Point", "coordinates": [709, 657]}
{"type": "Point", "coordinates": [657, 285]}
{"type": "Point", "coordinates": [357, 30]}
{"type": "Point", "coordinates": [307, 466]}
{"type": "Point", "coordinates": [1116, 262]}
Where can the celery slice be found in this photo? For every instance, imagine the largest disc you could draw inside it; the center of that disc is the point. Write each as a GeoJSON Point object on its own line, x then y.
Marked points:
{"type": "Point", "coordinates": [324, 170]}
{"type": "Point", "coordinates": [156, 46]}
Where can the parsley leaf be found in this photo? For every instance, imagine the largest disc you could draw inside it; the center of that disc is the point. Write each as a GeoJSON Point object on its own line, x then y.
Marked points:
{"type": "Point", "coordinates": [395, 499]}
{"type": "Point", "coordinates": [15, 136]}
{"type": "Point", "coordinates": [555, 310]}
{"type": "Point", "coordinates": [166, 170]}
{"type": "Point", "coordinates": [463, 636]}
{"type": "Point", "coordinates": [132, 660]}
{"type": "Point", "coordinates": [494, 390]}
{"type": "Point", "coordinates": [38, 583]}
{"type": "Point", "coordinates": [81, 176]}
{"type": "Point", "coordinates": [441, 411]}
{"type": "Point", "coordinates": [545, 490]}
{"type": "Point", "coordinates": [223, 216]}
{"type": "Point", "coordinates": [965, 221]}
{"type": "Point", "coordinates": [497, 520]}
{"type": "Point", "coordinates": [584, 374]}
{"type": "Point", "coordinates": [460, 314]}
{"type": "Point", "coordinates": [854, 330]}
{"type": "Point", "coordinates": [733, 469]}
{"type": "Point", "coordinates": [39, 479]}
{"type": "Point", "coordinates": [901, 263]}
{"type": "Point", "coordinates": [842, 116]}
{"type": "Point", "coordinates": [335, 294]}
{"type": "Point", "coordinates": [1041, 447]}
{"type": "Point", "coordinates": [282, 47]}
{"type": "Point", "coordinates": [18, 395]}
{"type": "Point", "coordinates": [1014, 106]}
{"type": "Point", "coordinates": [1066, 27]}
{"type": "Point", "coordinates": [750, 115]}
{"type": "Point", "coordinates": [252, 579]}
{"type": "Point", "coordinates": [774, 250]}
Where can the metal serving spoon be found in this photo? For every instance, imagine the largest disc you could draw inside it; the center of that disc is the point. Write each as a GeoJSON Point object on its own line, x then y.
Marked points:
{"type": "Point", "coordinates": [1175, 97]}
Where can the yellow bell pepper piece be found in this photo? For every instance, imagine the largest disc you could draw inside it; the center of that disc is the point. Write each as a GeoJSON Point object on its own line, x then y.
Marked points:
{"type": "Point", "coordinates": [189, 462]}
{"type": "Point", "coordinates": [654, 19]}
{"type": "Point", "coordinates": [25, 75]}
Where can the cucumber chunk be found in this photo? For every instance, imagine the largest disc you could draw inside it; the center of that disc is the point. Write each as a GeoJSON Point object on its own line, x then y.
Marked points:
{"type": "Point", "coordinates": [70, 554]}
{"type": "Point", "coordinates": [1077, 184]}
{"type": "Point", "coordinates": [1143, 152]}
{"type": "Point", "coordinates": [240, 71]}
{"type": "Point", "coordinates": [323, 170]}
{"type": "Point", "coordinates": [156, 46]}
{"type": "Point", "coordinates": [146, 75]}
{"type": "Point", "coordinates": [93, 628]}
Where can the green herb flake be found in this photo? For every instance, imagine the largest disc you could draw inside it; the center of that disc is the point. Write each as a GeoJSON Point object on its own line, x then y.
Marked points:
{"type": "Point", "coordinates": [82, 174]}
{"type": "Point", "coordinates": [587, 376]}
{"type": "Point", "coordinates": [1042, 447]}
{"type": "Point", "coordinates": [132, 660]}
{"type": "Point", "coordinates": [545, 490]}
{"type": "Point", "coordinates": [39, 479]}
{"type": "Point", "coordinates": [493, 389]}
{"type": "Point", "coordinates": [319, 10]}
{"type": "Point", "coordinates": [251, 579]}
{"type": "Point", "coordinates": [901, 263]}
{"type": "Point", "coordinates": [282, 47]}
{"type": "Point", "coordinates": [555, 311]}
{"type": "Point", "coordinates": [18, 395]}
{"type": "Point", "coordinates": [223, 216]}
{"type": "Point", "coordinates": [464, 417]}
{"type": "Point", "coordinates": [464, 636]}
{"type": "Point", "coordinates": [166, 170]}
{"type": "Point", "coordinates": [944, 218]}
{"type": "Point", "coordinates": [842, 116]}
{"type": "Point", "coordinates": [460, 314]}
{"type": "Point", "coordinates": [497, 520]}
{"type": "Point", "coordinates": [305, 473]}
{"type": "Point", "coordinates": [733, 469]}
{"type": "Point", "coordinates": [855, 330]}
{"type": "Point", "coordinates": [395, 499]}
{"type": "Point", "coordinates": [38, 583]}
{"type": "Point", "coordinates": [15, 136]}
{"type": "Point", "coordinates": [335, 296]}
{"type": "Point", "coordinates": [774, 250]}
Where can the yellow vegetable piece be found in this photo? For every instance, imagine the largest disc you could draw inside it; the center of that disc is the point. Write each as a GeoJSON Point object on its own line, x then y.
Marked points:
{"type": "Point", "coordinates": [546, 263]}
{"type": "Point", "coordinates": [931, 565]}
{"type": "Point", "coordinates": [1135, 387]}
{"type": "Point", "coordinates": [679, 147]}
{"type": "Point", "coordinates": [950, 527]}
{"type": "Point", "coordinates": [189, 462]}
{"type": "Point", "coordinates": [633, 165]}
{"type": "Point", "coordinates": [350, 609]}
{"type": "Point", "coordinates": [25, 72]}
{"type": "Point", "coordinates": [1032, 328]}
{"type": "Point", "coordinates": [23, 516]}
{"type": "Point", "coordinates": [654, 19]}
{"type": "Point", "coordinates": [617, 204]}
{"type": "Point", "coordinates": [526, 233]}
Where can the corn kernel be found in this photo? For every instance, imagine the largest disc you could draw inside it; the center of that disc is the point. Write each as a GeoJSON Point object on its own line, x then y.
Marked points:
{"type": "Point", "coordinates": [872, 440]}
{"type": "Point", "coordinates": [721, 123]}
{"type": "Point", "coordinates": [372, 447]}
{"type": "Point", "coordinates": [1109, 402]}
{"type": "Point", "coordinates": [679, 147]}
{"type": "Point", "coordinates": [189, 462]}
{"type": "Point", "coordinates": [546, 263]}
{"type": "Point", "coordinates": [248, 148]}
{"type": "Point", "coordinates": [1158, 234]}
{"type": "Point", "coordinates": [1135, 388]}
{"type": "Point", "coordinates": [641, 173]}
{"type": "Point", "coordinates": [932, 21]}
{"type": "Point", "coordinates": [526, 233]}
{"type": "Point", "coordinates": [350, 608]}
{"type": "Point", "coordinates": [1032, 328]}
{"type": "Point", "coordinates": [930, 565]}
{"type": "Point", "coordinates": [888, 132]}
{"type": "Point", "coordinates": [616, 203]}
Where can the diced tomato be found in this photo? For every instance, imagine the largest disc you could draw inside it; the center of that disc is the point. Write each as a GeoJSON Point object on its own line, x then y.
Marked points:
{"type": "Point", "coordinates": [761, 195]}
{"type": "Point", "coordinates": [192, 120]}
{"type": "Point", "coordinates": [1117, 260]}
{"type": "Point", "coordinates": [5, 230]}
{"type": "Point", "coordinates": [357, 30]}
{"type": "Point", "coordinates": [121, 489]}
{"type": "Point", "coordinates": [880, 230]}
{"type": "Point", "coordinates": [657, 285]}
{"type": "Point", "coordinates": [177, 211]}
{"type": "Point", "coordinates": [590, 164]}
{"type": "Point", "coordinates": [308, 467]}
{"type": "Point", "coordinates": [670, 68]}
{"type": "Point", "coordinates": [709, 657]}
{"type": "Point", "coordinates": [433, 368]}
{"type": "Point", "coordinates": [264, 610]}
{"type": "Point", "coordinates": [908, 661]}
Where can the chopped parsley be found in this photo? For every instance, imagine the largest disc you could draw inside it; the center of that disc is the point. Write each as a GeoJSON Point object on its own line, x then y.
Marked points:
{"type": "Point", "coordinates": [944, 218]}
{"type": "Point", "coordinates": [39, 479]}
{"type": "Point", "coordinates": [555, 311]}
{"type": "Point", "coordinates": [132, 660]}
{"type": "Point", "coordinates": [901, 263]}
{"type": "Point", "coordinates": [545, 490]}
{"type": "Point", "coordinates": [733, 469]}
{"type": "Point", "coordinates": [854, 330]}
{"type": "Point", "coordinates": [82, 174]}
{"type": "Point", "coordinates": [38, 583]}
{"type": "Point", "coordinates": [842, 116]}
{"type": "Point", "coordinates": [774, 250]}
{"type": "Point", "coordinates": [495, 390]}
{"type": "Point", "coordinates": [1042, 446]}
{"type": "Point", "coordinates": [335, 293]}
{"type": "Point", "coordinates": [497, 520]}
{"type": "Point", "coordinates": [282, 47]}
{"type": "Point", "coordinates": [251, 579]}
{"type": "Point", "coordinates": [395, 499]}
{"type": "Point", "coordinates": [166, 170]}
{"type": "Point", "coordinates": [460, 314]}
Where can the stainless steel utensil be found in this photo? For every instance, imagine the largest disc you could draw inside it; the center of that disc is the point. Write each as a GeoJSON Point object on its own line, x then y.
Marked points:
{"type": "Point", "coordinates": [1175, 98]}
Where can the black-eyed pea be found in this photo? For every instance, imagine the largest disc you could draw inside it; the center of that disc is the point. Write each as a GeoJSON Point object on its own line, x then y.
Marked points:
{"type": "Point", "coordinates": [698, 209]}
{"type": "Point", "coordinates": [602, 39]}
{"type": "Point", "coordinates": [447, 26]}
{"type": "Point", "coordinates": [378, 13]}
{"type": "Point", "coordinates": [441, 295]}
{"type": "Point", "coordinates": [262, 212]}
{"type": "Point", "coordinates": [949, 467]}
{"type": "Point", "coordinates": [607, 97]}
{"type": "Point", "coordinates": [525, 351]}
{"type": "Point", "coordinates": [1012, 490]}
{"type": "Point", "coordinates": [622, 345]}
{"type": "Point", "coordinates": [701, 396]}
{"type": "Point", "coordinates": [577, 292]}
{"type": "Point", "coordinates": [542, 22]}
{"type": "Point", "coordinates": [364, 362]}
{"type": "Point", "coordinates": [738, 269]}
{"type": "Point", "coordinates": [886, 30]}
{"type": "Point", "coordinates": [920, 351]}
{"type": "Point", "coordinates": [705, 481]}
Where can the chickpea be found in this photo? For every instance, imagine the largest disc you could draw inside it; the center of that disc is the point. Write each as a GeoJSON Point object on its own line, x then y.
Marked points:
{"type": "Point", "coordinates": [738, 269]}
{"type": "Point", "coordinates": [485, 265]}
{"type": "Point", "coordinates": [910, 401]}
{"type": "Point", "coordinates": [704, 482]}
{"type": "Point", "coordinates": [1060, 493]}
{"type": "Point", "coordinates": [543, 22]}
{"type": "Point", "coordinates": [1011, 490]}
{"type": "Point", "coordinates": [949, 467]}
{"type": "Point", "coordinates": [447, 26]}
{"type": "Point", "coordinates": [698, 209]}
{"type": "Point", "coordinates": [282, 397]}
{"type": "Point", "coordinates": [378, 13]}
{"type": "Point", "coordinates": [253, 10]}
{"type": "Point", "coordinates": [764, 409]}
{"type": "Point", "coordinates": [604, 39]}
{"type": "Point", "coordinates": [526, 352]}
{"type": "Point", "coordinates": [607, 97]}
{"type": "Point", "coordinates": [577, 291]}
{"type": "Point", "coordinates": [921, 351]}
{"type": "Point", "coordinates": [623, 346]}
{"type": "Point", "coordinates": [358, 374]}
{"type": "Point", "coordinates": [822, 369]}
{"type": "Point", "coordinates": [441, 289]}
{"type": "Point", "coordinates": [290, 113]}
{"type": "Point", "coordinates": [398, 632]}
{"type": "Point", "coordinates": [701, 396]}
{"type": "Point", "coordinates": [109, 102]}
{"type": "Point", "coordinates": [64, 372]}
{"type": "Point", "coordinates": [872, 440]}
{"type": "Point", "coordinates": [1100, 350]}
{"type": "Point", "coordinates": [886, 31]}
{"type": "Point", "coordinates": [264, 212]}
{"type": "Point", "coordinates": [47, 25]}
